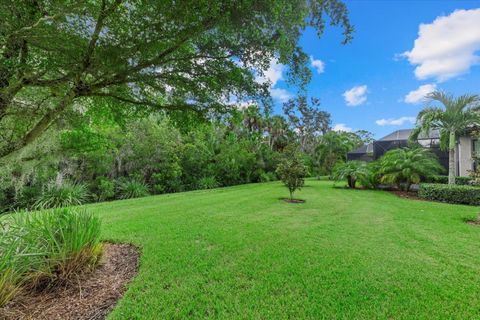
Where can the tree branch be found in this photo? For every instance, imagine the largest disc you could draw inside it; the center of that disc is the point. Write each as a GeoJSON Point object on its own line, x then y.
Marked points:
{"type": "Point", "coordinates": [184, 106]}
{"type": "Point", "coordinates": [104, 13]}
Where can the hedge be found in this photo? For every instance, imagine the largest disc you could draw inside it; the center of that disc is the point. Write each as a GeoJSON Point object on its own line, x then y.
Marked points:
{"type": "Point", "coordinates": [461, 181]}
{"type": "Point", "coordinates": [450, 193]}
{"type": "Point", "coordinates": [437, 179]}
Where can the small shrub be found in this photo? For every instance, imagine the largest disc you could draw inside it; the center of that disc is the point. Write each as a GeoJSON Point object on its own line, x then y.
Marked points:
{"type": "Point", "coordinates": [65, 194]}
{"type": "Point", "coordinates": [450, 193]}
{"type": "Point", "coordinates": [104, 189]}
{"type": "Point", "coordinates": [157, 182]}
{"type": "Point", "coordinates": [292, 170]}
{"type": "Point", "coordinates": [267, 177]}
{"type": "Point", "coordinates": [27, 196]}
{"type": "Point", "coordinates": [132, 188]}
{"type": "Point", "coordinates": [475, 174]}
{"type": "Point", "coordinates": [207, 183]}
{"type": "Point", "coordinates": [351, 171]}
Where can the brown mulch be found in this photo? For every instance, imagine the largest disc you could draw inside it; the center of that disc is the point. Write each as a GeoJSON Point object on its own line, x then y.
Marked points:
{"type": "Point", "coordinates": [475, 222]}
{"type": "Point", "coordinates": [92, 298]}
{"type": "Point", "coordinates": [407, 195]}
{"type": "Point", "coordinates": [293, 200]}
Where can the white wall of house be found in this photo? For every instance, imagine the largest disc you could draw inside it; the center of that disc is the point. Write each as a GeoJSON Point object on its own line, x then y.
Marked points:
{"type": "Point", "coordinates": [464, 156]}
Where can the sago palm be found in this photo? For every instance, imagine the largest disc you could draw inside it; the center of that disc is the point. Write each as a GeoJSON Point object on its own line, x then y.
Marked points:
{"type": "Point", "coordinates": [352, 171]}
{"type": "Point", "coordinates": [408, 165]}
{"type": "Point", "coordinates": [456, 115]}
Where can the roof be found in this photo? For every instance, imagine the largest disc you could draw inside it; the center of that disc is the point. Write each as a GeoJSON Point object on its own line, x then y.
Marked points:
{"type": "Point", "coordinates": [397, 135]}
{"type": "Point", "coordinates": [404, 134]}
{"type": "Point", "coordinates": [368, 148]}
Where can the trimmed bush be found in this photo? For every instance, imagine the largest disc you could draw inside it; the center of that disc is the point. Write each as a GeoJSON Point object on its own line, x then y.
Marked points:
{"type": "Point", "coordinates": [437, 179]}
{"type": "Point", "coordinates": [450, 193]}
{"type": "Point", "coordinates": [463, 181]}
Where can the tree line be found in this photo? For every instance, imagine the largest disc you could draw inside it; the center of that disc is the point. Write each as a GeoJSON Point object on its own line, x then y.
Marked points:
{"type": "Point", "coordinates": [96, 158]}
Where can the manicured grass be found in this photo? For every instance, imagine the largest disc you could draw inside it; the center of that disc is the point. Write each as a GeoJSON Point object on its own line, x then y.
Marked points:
{"type": "Point", "coordinates": [241, 253]}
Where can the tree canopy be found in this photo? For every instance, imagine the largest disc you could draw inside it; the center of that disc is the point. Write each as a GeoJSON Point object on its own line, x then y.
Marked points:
{"type": "Point", "coordinates": [56, 57]}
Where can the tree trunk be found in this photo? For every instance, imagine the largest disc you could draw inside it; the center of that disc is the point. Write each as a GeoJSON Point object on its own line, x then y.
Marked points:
{"type": "Point", "coordinates": [351, 182]}
{"type": "Point", "coordinates": [451, 158]}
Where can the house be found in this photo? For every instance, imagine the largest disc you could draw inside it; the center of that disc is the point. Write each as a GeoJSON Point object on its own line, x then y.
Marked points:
{"type": "Point", "coordinates": [466, 150]}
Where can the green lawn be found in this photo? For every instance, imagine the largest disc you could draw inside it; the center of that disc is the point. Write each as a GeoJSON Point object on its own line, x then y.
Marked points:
{"type": "Point", "coordinates": [241, 253]}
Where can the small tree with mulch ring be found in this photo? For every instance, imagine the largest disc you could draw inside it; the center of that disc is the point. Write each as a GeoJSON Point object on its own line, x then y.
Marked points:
{"type": "Point", "coordinates": [292, 170]}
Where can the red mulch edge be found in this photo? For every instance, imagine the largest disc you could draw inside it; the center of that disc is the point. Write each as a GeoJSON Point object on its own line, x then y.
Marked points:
{"type": "Point", "coordinates": [293, 200]}
{"type": "Point", "coordinates": [92, 297]}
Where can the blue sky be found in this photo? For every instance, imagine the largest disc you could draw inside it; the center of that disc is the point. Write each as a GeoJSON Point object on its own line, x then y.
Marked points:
{"type": "Point", "coordinates": [445, 57]}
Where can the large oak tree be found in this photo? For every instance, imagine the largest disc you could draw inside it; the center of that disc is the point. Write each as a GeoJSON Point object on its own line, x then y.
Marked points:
{"type": "Point", "coordinates": [59, 57]}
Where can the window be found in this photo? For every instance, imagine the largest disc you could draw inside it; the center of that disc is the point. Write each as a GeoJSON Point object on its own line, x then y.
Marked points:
{"type": "Point", "coordinates": [476, 149]}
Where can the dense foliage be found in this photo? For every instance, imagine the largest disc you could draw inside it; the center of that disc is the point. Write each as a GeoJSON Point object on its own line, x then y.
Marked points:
{"type": "Point", "coordinates": [450, 193]}
{"type": "Point", "coordinates": [45, 249]}
{"type": "Point", "coordinates": [334, 146]}
{"type": "Point", "coordinates": [100, 160]}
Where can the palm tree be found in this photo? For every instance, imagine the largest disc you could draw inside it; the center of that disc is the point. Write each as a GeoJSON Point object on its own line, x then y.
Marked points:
{"type": "Point", "coordinates": [352, 171]}
{"type": "Point", "coordinates": [408, 165]}
{"type": "Point", "coordinates": [277, 129]}
{"type": "Point", "coordinates": [457, 115]}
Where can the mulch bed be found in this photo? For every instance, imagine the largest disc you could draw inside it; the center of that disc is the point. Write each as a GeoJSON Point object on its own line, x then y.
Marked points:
{"type": "Point", "coordinates": [475, 222]}
{"type": "Point", "coordinates": [92, 297]}
{"type": "Point", "coordinates": [407, 195]}
{"type": "Point", "coordinates": [293, 200]}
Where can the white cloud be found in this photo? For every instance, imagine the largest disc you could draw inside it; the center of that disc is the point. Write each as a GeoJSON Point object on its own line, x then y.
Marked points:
{"type": "Point", "coordinates": [342, 127]}
{"type": "Point", "coordinates": [356, 96]}
{"type": "Point", "coordinates": [418, 95]}
{"type": "Point", "coordinates": [281, 95]}
{"type": "Point", "coordinates": [447, 47]}
{"type": "Point", "coordinates": [318, 64]}
{"type": "Point", "coordinates": [273, 74]}
{"type": "Point", "coordinates": [395, 122]}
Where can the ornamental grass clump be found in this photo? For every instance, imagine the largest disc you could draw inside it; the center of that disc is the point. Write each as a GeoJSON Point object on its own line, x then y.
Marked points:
{"type": "Point", "coordinates": [69, 239]}
{"type": "Point", "coordinates": [9, 277]}
{"type": "Point", "coordinates": [132, 188]}
{"type": "Point", "coordinates": [65, 194]}
{"type": "Point", "coordinates": [43, 250]}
